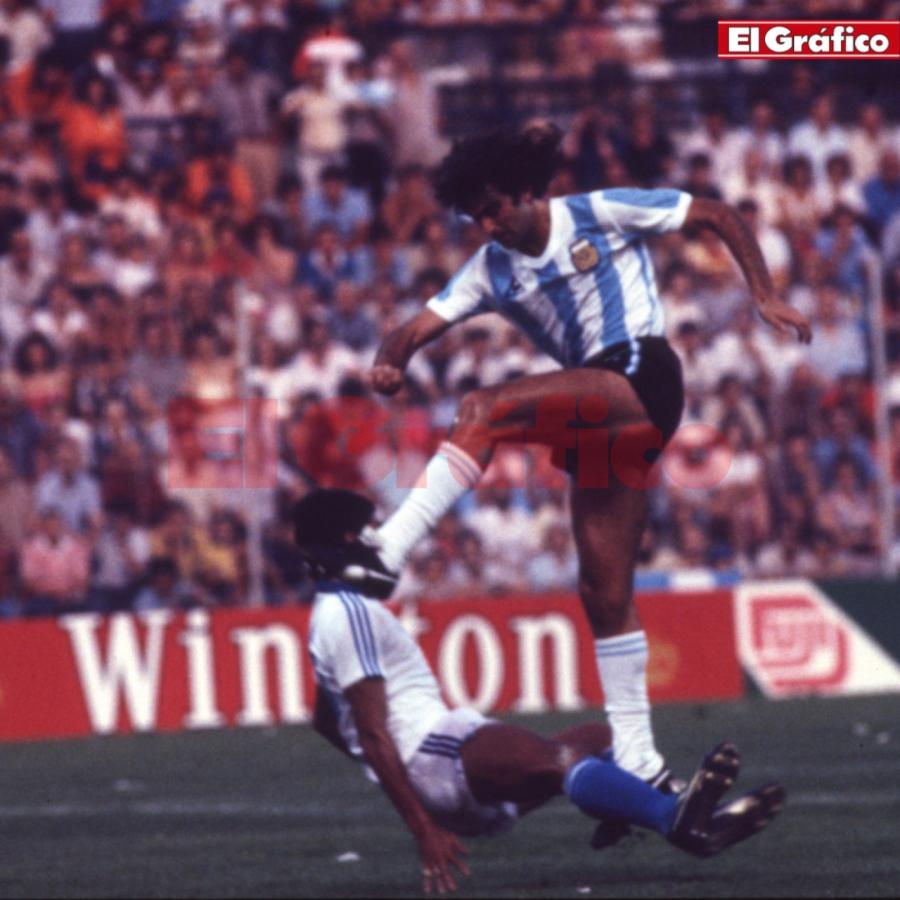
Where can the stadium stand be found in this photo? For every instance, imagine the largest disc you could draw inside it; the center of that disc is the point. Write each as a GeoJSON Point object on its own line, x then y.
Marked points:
{"type": "Point", "coordinates": [210, 211]}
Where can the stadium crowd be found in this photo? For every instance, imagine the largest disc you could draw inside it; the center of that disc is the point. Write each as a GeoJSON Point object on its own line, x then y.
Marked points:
{"type": "Point", "coordinates": [210, 211]}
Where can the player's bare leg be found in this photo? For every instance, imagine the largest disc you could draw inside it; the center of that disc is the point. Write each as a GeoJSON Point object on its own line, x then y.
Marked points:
{"type": "Point", "coordinates": [507, 764]}
{"type": "Point", "coordinates": [608, 525]}
{"type": "Point", "coordinates": [542, 409]}
{"type": "Point", "coordinates": [596, 413]}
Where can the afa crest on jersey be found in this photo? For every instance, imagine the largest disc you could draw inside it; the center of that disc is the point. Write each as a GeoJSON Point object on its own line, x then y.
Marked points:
{"type": "Point", "coordinates": [584, 255]}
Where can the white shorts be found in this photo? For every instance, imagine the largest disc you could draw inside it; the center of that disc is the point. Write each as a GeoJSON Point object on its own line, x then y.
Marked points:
{"type": "Point", "coordinates": [436, 772]}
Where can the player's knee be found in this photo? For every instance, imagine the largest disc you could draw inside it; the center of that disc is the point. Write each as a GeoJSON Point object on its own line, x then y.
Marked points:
{"type": "Point", "coordinates": [635, 450]}
{"type": "Point", "coordinates": [606, 605]}
{"type": "Point", "coordinates": [474, 408]}
{"type": "Point", "coordinates": [545, 783]}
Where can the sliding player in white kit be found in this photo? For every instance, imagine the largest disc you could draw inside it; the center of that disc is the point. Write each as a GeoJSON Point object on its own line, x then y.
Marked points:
{"type": "Point", "coordinates": [454, 772]}
{"type": "Point", "coordinates": [575, 275]}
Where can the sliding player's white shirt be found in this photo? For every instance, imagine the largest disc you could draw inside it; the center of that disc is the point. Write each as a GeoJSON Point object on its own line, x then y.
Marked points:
{"type": "Point", "coordinates": [352, 638]}
{"type": "Point", "coordinates": [592, 287]}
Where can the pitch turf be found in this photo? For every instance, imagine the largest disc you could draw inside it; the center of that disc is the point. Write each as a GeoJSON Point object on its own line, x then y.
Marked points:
{"type": "Point", "coordinates": [267, 813]}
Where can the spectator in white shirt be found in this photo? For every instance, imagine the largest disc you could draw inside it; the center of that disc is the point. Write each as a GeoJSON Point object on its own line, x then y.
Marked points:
{"type": "Point", "coordinates": [506, 531]}
{"type": "Point", "coordinates": [555, 568]}
{"type": "Point", "coordinates": [798, 208]}
{"type": "Point", "coordinates": [319, 367]}
{"type": "Point", "coordinates": [763, 137]}
{"type": "Point", "coordinates": [250, 16]}
{"type": "Point", "coordinates": [137, 211]}
{"type": "Point", "coordinates": [839, 345]}
{"type": "Point", "coordinates": [787, 556]}
{"type": "Point", "coordinates": [318, 115]}
{"type": "Point", "coordinates": [723, 147]}
{"type": "Point", "coordinates": [149, 111]}
{"type": "Point", "coordinates": [22, 25]}
{"type": "Point", "coordinates": [121, 551]}
{"type": "Point", "coordinates": [779, 356]}
{"type": "Point", "coordinates": [49, 220]}
{"type": "Point", "coordinates": [68, 488]}
{"type": "Point", "coordinates": [203, 43]}
{"type": "Point", "coordinates": [735, 350]}
{"type": "Point", "coordinates": [869, 140]}
{"type": "Point", "coordinates": [689, 343]}
{"type": "Point", "coordinates": [477, 359]}
{"type": "Point", "coordinates": [679, 298]}
{"type": "Point", "coordinates": [473, 571]}
{"type": "Point", "coordinates": [414, 113]}
{"type": "Point", "coordinates": [755, 182]}
{"type": "Point", "coordinates": [61, 320]}
{"type": "Point", "coordinates": [839, 187]}
{"type": "Point", "coordinates": [818, 137]}
{"type": "Point", "coordinates": [23, 276]}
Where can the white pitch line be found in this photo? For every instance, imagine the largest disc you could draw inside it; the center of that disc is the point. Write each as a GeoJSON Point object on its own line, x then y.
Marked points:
{"type": "Point", "coordinates": [821, 770]}
{"type": "Point", "coordinates": [152, 808]}
{"type": "Point", "coordinates": [178, 808]}
{"type": "Point", "coordinates": [844, 798]}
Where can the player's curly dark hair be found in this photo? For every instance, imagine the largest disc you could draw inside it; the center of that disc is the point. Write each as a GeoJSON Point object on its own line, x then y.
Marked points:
{"type": "Point", "coordinates": [512, 162]}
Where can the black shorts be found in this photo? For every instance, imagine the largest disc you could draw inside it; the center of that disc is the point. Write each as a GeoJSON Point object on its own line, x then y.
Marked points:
{"type": "Point", "coordinates": [654, 371]}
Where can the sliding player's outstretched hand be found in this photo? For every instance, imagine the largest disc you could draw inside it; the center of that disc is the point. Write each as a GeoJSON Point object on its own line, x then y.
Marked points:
{"type": "Point", "coordinates": [386, 379]}
{"type": "Point", "coordinates": [783, 317]}
{"type": "Point", "coordinates": [439, 850]}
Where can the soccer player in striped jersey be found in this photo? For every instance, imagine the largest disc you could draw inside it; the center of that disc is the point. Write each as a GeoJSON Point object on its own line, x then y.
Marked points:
{"type": "Point", "coordinates": [574, 273]}
{"type": "Point", "coordinates": [452, 772]}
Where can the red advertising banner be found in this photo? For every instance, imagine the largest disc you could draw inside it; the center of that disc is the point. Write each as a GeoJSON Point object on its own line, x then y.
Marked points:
{"type": "Point", "coordinates": [86, 674]}
{"type": "Point", "coordinates": [804, 39]}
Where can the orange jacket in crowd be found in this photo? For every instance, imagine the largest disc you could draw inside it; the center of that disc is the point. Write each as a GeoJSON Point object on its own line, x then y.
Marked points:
{"type": "Point", "coordinates": [87, 132]}
{"type": "Point", "coordinates": [199, 183]}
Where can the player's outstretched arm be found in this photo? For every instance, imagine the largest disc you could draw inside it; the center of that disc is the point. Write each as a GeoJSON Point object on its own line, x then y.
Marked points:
{"type": "Point", "coordinates": [729, 224]}
{"type": "Point", "coordinates": [438, 849]}
{"type": "Point", "coordinates": [398, 347]}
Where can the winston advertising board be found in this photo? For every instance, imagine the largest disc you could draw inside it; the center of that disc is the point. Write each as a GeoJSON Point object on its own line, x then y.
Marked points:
{"type": "Point", "coordinates": [85, 674]}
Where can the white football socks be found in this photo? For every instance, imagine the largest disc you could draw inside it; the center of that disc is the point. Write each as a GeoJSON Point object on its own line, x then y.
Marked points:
{"type": "Point", "coordinates": [622, 664]}
{"type": "Point", "coordinates": [449, 474]}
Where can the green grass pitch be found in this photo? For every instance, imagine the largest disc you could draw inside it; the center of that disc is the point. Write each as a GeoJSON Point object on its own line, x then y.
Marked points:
{"type": "Point", "coordinates": [267, 813]}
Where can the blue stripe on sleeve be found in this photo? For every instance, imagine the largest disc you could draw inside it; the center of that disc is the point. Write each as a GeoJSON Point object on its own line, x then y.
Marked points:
{"type": "Point", "coordinates": [637, 642]}
{"type": "Point", "coordinates": [356, 640]}
{"type": "Point", "coordinates": [557, 289]}
{"type": "Point", "coordinates": [429, 751]}
{"type": "Point", "coordinates": [612, 301]}
{"type": "Point", "coordinates": [442, 744]}
{"type": "Point", "coordinates": [365, 631]}
{"type": "Point", "coordinates": [369, 667]}
{"type": "Point", "coordinates": [368, 635]}
{"type": "Point", "coordinates": [436, 736]}
{"type": "Point", "coordinates": [500, 273]}
{"type": "Point", "coordinates": [658, 198]}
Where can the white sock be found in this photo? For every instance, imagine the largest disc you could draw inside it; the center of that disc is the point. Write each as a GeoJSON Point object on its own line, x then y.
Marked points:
{"type": "Point", "coordinates": [449, 474]}
{"type": "Point", "coordinates": [622, 664]}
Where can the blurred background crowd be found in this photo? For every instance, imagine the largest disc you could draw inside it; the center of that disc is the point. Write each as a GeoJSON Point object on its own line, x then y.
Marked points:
{"type": "Point", "coordinates": [211, 212]}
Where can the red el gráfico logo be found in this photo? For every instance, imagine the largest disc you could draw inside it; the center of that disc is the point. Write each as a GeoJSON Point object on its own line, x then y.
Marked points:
{"type": "Point", "coordinates": [801, 39]}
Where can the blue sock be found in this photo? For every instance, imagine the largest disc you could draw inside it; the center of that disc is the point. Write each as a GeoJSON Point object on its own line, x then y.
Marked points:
{"type": "Point", "coordinates": [601, 789]}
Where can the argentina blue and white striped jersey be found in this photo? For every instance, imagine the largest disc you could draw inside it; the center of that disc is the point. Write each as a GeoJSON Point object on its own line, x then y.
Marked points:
{"type": "Point", "coordinates": [592, 287]}
{"type": "Point", "coordinates": [352, 638]}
